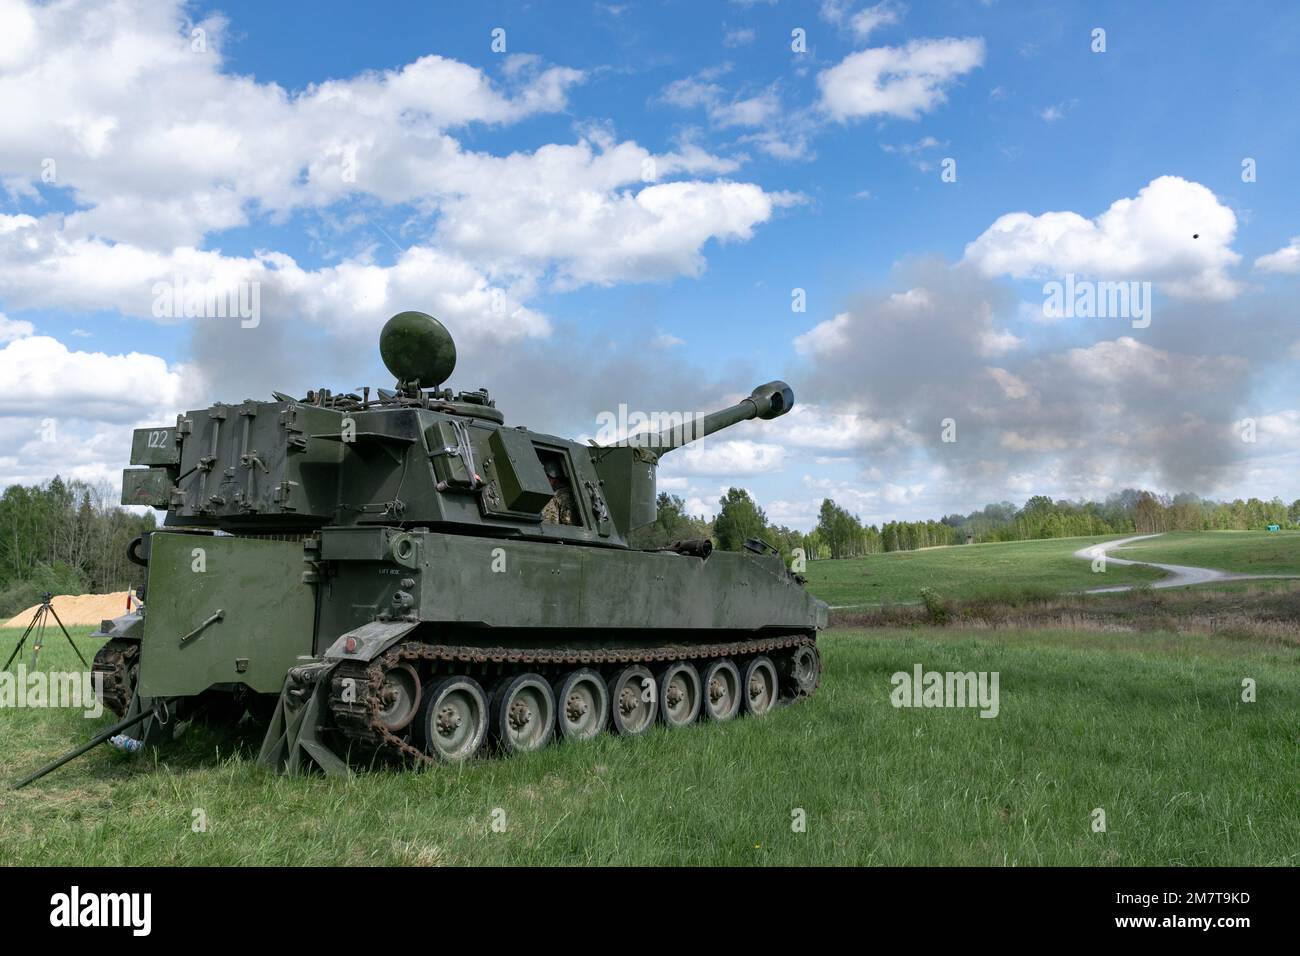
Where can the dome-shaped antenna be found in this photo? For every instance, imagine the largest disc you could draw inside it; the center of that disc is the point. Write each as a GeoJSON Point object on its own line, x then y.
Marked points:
{"type": "Point", "coordinates": [417, 349]}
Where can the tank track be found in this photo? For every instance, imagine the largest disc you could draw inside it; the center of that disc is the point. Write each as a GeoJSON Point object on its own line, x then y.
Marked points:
{"type": "Point", "coordinates": [115, 661]}
{"type": "Point", "coordinates": [359, 718]}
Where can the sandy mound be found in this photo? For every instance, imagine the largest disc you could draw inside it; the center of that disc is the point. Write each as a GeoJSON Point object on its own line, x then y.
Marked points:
{"type": "Point", "coordinates": [76, 609]}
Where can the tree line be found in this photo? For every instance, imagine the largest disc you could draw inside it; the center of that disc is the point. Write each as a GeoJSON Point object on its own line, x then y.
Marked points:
{"type": "Point", "coordinates": [841, 534]}
{"type": "Point", "coordinates": [65, 537]}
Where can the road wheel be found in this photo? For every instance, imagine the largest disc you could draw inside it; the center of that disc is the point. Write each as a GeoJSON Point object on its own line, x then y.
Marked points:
{"type": "Point", "coordinates": [760, 685]}
{"type": "Point", "coordinates": [721, 690]}
{"type": "Point", "coordinates": [454, 720]}
{"type": "Point", "coordinates": [399, 697]}
{"type": "Point", "coordinates": [679, 694]}
{"type": "Point", "coordinates": [803, 672]}
{"type": "Point", "coordinates": [582, 700]}
{"type": "Point", "coordinates": [633, 700]}
{"type": "Point", "coordinates": [523, 713]}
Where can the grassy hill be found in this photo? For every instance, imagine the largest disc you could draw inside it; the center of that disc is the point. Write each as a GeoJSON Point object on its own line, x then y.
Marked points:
{"type": "Point", "coordinates": [1245, 552]}
{"type": "Point", "coordinates": [968, 571]}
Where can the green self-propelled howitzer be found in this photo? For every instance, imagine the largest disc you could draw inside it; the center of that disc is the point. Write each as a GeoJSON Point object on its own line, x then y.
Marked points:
{"type": "Point", "coordinates": [405, 574]}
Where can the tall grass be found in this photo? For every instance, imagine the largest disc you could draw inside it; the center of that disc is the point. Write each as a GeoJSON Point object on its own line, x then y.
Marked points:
{"type": "Point", "coordinates": [1153, 731]}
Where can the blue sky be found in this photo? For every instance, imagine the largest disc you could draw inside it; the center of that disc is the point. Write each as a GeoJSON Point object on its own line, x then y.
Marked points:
{"type": "Point", "coordinates": [513, 174]}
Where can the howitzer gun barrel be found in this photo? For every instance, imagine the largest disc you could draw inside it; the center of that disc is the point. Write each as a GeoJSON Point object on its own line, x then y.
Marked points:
{"type": "Point", "coordinates": [766, 402]}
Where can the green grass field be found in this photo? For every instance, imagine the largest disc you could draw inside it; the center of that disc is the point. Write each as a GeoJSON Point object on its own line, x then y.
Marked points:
{"type": "Point", "coordinates": [1244, 552]}
{"type": "Point", "coordinates": [964, 572]}
{"type": "Point", "coordinates": [1151, 728]}
{"type": "Point", "coordinates": [1017, 569]}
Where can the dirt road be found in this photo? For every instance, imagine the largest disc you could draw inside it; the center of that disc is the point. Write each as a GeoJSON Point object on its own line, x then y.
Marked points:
{"type": "Point", "coordinates": [1179, 575]}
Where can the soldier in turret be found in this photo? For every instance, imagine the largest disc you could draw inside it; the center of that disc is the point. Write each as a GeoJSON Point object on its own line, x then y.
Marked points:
{"type": "Point", "coordinates": [562, 508]}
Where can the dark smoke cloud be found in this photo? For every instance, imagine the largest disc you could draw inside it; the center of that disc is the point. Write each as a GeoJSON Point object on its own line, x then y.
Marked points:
{"type": "Point", "coordinates": [1114, 408]}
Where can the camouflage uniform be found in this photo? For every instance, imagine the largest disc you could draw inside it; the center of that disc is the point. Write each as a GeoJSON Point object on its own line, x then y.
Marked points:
{"type": "Point", "coordinates": [562, 508]}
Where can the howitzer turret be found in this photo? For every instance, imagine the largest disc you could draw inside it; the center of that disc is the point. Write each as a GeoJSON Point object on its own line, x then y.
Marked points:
{"type": "Point", "coordinates": [414, 455]}
{"type": "Point", "coordinates": [403, 574]}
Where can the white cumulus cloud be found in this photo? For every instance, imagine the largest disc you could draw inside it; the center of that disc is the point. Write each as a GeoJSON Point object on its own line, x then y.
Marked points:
{"type": "Point", "coordinates": [40, 376]}
{"type": "Point", "coordinates": [162, 146]}
{"type": "Point", "coordinates": [902, 82]}
{"type": "Point", "coordinates": [1174, 232]}
{"type": "Point", "coordinates": [721, 457]}
{"type": "Point", "coordinates": [1285, 260]}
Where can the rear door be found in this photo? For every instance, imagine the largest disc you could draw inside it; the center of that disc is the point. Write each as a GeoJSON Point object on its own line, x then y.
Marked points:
{"type": "Point", "coordinates": [223, 610]}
